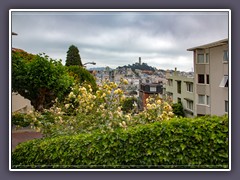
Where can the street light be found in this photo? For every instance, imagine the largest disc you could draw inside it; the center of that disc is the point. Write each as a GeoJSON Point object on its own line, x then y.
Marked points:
{"type": "Point", "coordinates": [93, 63]}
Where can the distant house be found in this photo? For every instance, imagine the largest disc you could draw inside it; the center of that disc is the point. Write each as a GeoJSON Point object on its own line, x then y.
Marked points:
{"type": "Point", "coordinates": [211, 78]}
{"type": "Point", "coordinates": [147, 89]}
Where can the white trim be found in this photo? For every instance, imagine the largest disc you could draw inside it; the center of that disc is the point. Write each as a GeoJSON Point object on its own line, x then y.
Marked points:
{"type": "Point", "coordinates": [10, 89]}
{"type": "Point", "coordinates": [229, 88]}
{"type": "Point", "coordinates": [120, 10]}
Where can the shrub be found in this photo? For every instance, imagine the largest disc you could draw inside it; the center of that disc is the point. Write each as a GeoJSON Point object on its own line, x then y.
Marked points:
{"type": "Point", "coordinates": [85, 111]}
{"type": "Point", "coordinates": [178, 109]}
{"type": "Point", "coordinates": [21, 120]}
{"type": "Point", "coordinates": [178, 143]}
{"type": "Point", "coordinates": [128, 105]}
{"type": "Point", "coordinates": [82, 75]}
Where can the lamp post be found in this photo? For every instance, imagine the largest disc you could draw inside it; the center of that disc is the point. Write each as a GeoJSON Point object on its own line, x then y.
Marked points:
{"type": "Point", "coordinates": [93, 63]}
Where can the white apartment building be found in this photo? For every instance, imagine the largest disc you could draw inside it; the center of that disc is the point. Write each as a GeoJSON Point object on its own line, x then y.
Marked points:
{"type": "Point", "coordinates": [180, 88]}
{"type": "Point", "coordinates": [211, 78]}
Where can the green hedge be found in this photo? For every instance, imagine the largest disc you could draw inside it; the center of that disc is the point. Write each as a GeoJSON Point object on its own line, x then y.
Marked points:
{"type": "Point", "coordinates": [177, 143]}
{"type": "Point", "coordinates": [20, 119]}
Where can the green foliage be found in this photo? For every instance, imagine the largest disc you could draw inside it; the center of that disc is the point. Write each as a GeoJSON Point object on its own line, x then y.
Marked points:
{"type": "Point", "coordinates": [20, 119]}
{"type": "Point", "coordinates": [22, 55]}
{"type": "Point", "coordinates": [81, 75]}
{"type": "Point", "coordinates": [39, 79]}
{"type": "Point", "coordinates": [201, 142]}
{"type": "Point", "coordinates": [128, 105]}
{"type": "Point", "coordinates": [178, 109]}
{"type": "Point", "coordinates": [73, 57]}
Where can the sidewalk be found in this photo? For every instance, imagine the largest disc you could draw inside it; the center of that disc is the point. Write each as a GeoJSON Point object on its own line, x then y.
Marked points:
{"type": "Point", "coordinates": [22, 135]}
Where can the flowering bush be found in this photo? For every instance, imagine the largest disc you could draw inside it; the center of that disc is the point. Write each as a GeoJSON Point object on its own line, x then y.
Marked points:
{"type": "Point", "coordinates": [84, 111]}
{"type": "Point", "coordinates": [157, 109]}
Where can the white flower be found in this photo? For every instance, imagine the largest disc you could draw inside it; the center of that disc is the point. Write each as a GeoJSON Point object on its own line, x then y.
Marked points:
{"type": "Point", "coordinates": [128, 117]}
{"type": "Point", "coordinates": [159, 101]}
{"type": "Point", "coordinates": [67, 106]}
{"type": "Point", "coordinates": [71, 95]}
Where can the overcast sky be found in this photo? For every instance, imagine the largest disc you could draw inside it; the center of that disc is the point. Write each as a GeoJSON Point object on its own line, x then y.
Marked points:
{"type": "Point", "coordinates": [120, 38]}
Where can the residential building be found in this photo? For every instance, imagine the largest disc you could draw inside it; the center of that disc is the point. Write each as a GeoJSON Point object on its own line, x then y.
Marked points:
{"type": "Point", "coordinates": [211, 78]}
{"type": "Point", "coordinates": [180, 88]}
{"type": "Point", "coordinates": [147, 89]}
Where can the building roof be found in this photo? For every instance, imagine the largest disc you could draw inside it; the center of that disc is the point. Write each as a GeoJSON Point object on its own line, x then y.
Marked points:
{"type": "Point", "coordinates": [17, 50]}
{"type": "Point", "coordinates": [210, 45]}
{"type": "Point", "coordinates": [151, 84]}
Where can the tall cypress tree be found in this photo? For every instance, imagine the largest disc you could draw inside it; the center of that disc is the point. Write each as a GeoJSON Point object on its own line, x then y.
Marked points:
{"type": "Point", "coordinates": [73, 57]}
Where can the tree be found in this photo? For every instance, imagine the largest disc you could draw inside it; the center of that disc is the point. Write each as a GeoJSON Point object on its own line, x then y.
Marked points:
{"type": "Point", "coordinates": [82, 75]}
{"type": "Point", "coordinates": [178, 109]}
{"type": "Point", "coordinates": [39, 79]}
{"type": "Point", "coordinates": [73, 57]}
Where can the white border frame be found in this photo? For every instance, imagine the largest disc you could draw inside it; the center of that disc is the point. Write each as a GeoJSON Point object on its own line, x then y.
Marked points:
{"type": "Point", "coordinates": [118, 10]}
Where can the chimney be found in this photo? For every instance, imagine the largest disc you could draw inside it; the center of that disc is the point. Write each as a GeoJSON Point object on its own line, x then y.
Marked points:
{"type": "Point", "coordinates": [140, 60]}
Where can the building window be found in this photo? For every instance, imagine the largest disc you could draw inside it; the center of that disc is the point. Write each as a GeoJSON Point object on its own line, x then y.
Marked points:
{"type": "Point", "coordinates": [224, 82]}
{"type": "Point", "coordinates": [201, 78]}
{"type": "Point", "coordinates": [207, 58]}
{"type": "Point", "coordinates": [170, 95]}
{"type": "Point", "coordinates": [190, 105]}
{"type": "Point", "coordinates": [189, 87]}
{"type": "Point", "coordinates": [208, 100]}
{"type": "Point", "coordinates": [200, 58]}
{"type": "Point", "coordinates": [179, 87]}
{"type": "Point", "coordinates": [207, 77]}
{"type": "Point", "coordinates": [153, 88]}
{"type": "Point", "coordinates": [225, 56]}
{"type": "Point", "coordinates": [170, 82]}
{"type": "Point", "coordinates": [204, 100]}
{"type": "Point", "coordinates": [179, 100]}
{"type": "Point", "coordinates": [226, 106]}
{"type": "Point", "coordinates": [201, 99]}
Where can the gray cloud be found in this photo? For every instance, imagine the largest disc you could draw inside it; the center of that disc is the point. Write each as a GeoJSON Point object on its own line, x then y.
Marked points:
{"type": "Point", "coordinates": [119, 38]}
